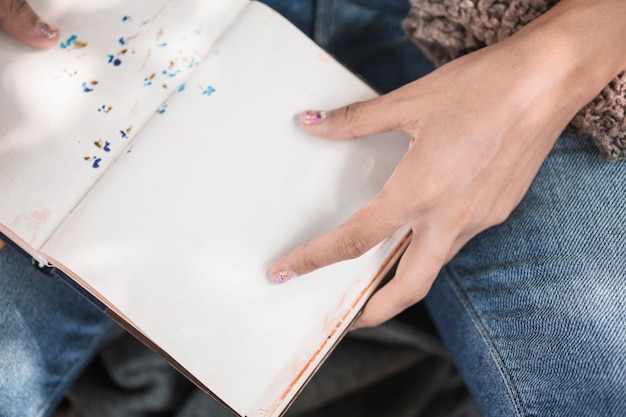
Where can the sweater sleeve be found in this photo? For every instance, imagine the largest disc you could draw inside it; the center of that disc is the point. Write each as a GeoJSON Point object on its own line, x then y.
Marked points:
{"type": "Point", "coordinates": [448, 29]}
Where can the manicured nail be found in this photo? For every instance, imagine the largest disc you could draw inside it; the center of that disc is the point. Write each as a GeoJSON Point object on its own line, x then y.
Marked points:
{"type": "Point", "coordinates": [313, 117]}
{"type": "Point", "coordinates": [283, 276]}
{"type": "Point", "coordinates": [47, 31]}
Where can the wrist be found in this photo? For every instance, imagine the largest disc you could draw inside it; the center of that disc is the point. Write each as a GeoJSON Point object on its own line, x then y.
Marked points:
{"type": "Point", "coordinates": [574, 50]}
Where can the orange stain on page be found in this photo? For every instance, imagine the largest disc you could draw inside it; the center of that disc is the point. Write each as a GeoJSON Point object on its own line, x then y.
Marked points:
{"type": "Point", "coordinates": [146, 59]}
{"type": "Point", "coordinates": [349, 313]}
{"type": "Point", "coordinates": [1, 245]}
{"type": "Point", "coordinates": [145, 22]}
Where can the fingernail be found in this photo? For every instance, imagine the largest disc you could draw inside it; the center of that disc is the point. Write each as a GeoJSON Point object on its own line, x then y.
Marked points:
{"type": "Point", "coordinates": [283, 276]}
{"type": "Point", "coordinates": [47, 31]}
{"type": "Point", "coordinates": [312, 117]}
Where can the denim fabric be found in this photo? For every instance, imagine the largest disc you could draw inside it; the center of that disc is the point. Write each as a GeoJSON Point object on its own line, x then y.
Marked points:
{"type": "Point", "coordinates": [534, 310]}
{"type": "Point", "coordinates": [49, 333]}
{"type": "Point", "coordinates": [364, 35]}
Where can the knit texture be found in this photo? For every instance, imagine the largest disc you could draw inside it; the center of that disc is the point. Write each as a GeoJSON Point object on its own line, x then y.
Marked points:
{"type": "Point", "coordinates": [447, 29]}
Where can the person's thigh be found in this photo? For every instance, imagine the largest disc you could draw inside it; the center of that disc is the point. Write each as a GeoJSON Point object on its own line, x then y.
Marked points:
{"type": "Point", "coordinates": [49, 333]}
{"type": "Point", "coordinates": [534, 310]}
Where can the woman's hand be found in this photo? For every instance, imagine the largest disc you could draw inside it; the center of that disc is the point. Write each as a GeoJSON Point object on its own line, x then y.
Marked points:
{"type": "Point", "coordinates": [18, 19]}
{"type": "Point", "coordinates": [481, 126]}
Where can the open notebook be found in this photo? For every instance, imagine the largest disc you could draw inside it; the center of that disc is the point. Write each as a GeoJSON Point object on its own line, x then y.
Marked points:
{"type": "Point", "coordinates": [153, 159]}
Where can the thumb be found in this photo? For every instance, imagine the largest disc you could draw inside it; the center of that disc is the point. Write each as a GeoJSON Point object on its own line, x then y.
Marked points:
{"type": "Point", "coordinates": [19, 20]}
{"type": "Point", "coordinates": [352, 121]}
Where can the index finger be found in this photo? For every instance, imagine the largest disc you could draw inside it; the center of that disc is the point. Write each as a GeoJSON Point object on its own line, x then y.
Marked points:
{"type": "Point", "coordinates": [361, 232]}
{"type": "Point", "coordinates": [19, 20]}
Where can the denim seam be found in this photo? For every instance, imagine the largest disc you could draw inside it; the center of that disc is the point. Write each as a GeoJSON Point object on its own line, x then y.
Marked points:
{"type": "Point", "coordinates": [493, 350]}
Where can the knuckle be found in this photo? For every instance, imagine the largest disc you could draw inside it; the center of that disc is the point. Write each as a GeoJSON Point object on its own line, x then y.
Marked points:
{"type": "Point", "coordinates": [349, 117]}
{"type": "Point", "coordinates": [469, 214]}
{"type": "Point", "coordinates": [430, 193]}
{"type": "Point", "coordinates": [16, 5]}
{"type": "Point", "coordinates": [352, 247]}
{"type": "Point", "coordinates": [309, 263]}
{"type": "Point", "coordinates": [351, 112]}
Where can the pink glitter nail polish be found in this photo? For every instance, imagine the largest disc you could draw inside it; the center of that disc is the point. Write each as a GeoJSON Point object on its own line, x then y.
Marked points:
{"type": "Point", "coordinates": [313, 117]}
{"type": "Point", "coordinates": [46, 30]}
{"type": "Point", "coordinates": [283, 276]}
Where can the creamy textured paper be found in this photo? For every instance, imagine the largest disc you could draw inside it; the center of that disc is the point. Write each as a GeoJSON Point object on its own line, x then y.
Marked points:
{"type": "Point", "coordinates": [206, 181]}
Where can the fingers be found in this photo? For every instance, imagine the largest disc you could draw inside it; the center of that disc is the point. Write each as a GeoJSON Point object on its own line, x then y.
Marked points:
{"type": "Point", "coordinates": [19, 20]}
{"type": "Point", "coordinates": [368, 226]}
{"type": "Point", "coordinates": [361, 232]}
{"type": "Point", "coordinates": [352, 121]}
{"type": "Point", "coordinates": [415, 274]}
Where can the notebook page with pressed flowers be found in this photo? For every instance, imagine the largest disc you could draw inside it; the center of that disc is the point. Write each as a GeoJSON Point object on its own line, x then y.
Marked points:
{"type": "Point", "coordinates": [69, 111]}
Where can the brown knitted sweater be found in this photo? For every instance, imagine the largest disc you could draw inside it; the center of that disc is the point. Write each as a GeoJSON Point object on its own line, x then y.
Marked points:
{"type": "Point", "coordinates": [447, 29]}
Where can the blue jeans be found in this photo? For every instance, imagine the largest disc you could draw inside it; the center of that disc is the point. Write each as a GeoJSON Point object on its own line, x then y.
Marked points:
{"type": "Point", "coordinates": [533, 311]}
{"type": "Point", "coordinates": [49, 334]}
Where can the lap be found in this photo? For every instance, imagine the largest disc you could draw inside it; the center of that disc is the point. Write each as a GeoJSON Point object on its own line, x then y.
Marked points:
{"type": "Point", "coordinates": [49, 332]}
{"type": "Point", "coordinates": [533, 310]}
{"type": "Point", "coordinates": [364, 35]}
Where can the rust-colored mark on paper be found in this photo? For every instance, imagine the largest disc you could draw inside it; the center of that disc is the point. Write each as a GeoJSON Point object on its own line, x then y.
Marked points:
{"type": "Point", "coordinates": [33, 222]}
{"type": "Point", "coordinates": [145, 61]}
{"type": "Point", "coordinates": [145, 22]}
{"type": "Point", "coordinates": [350, 312]}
